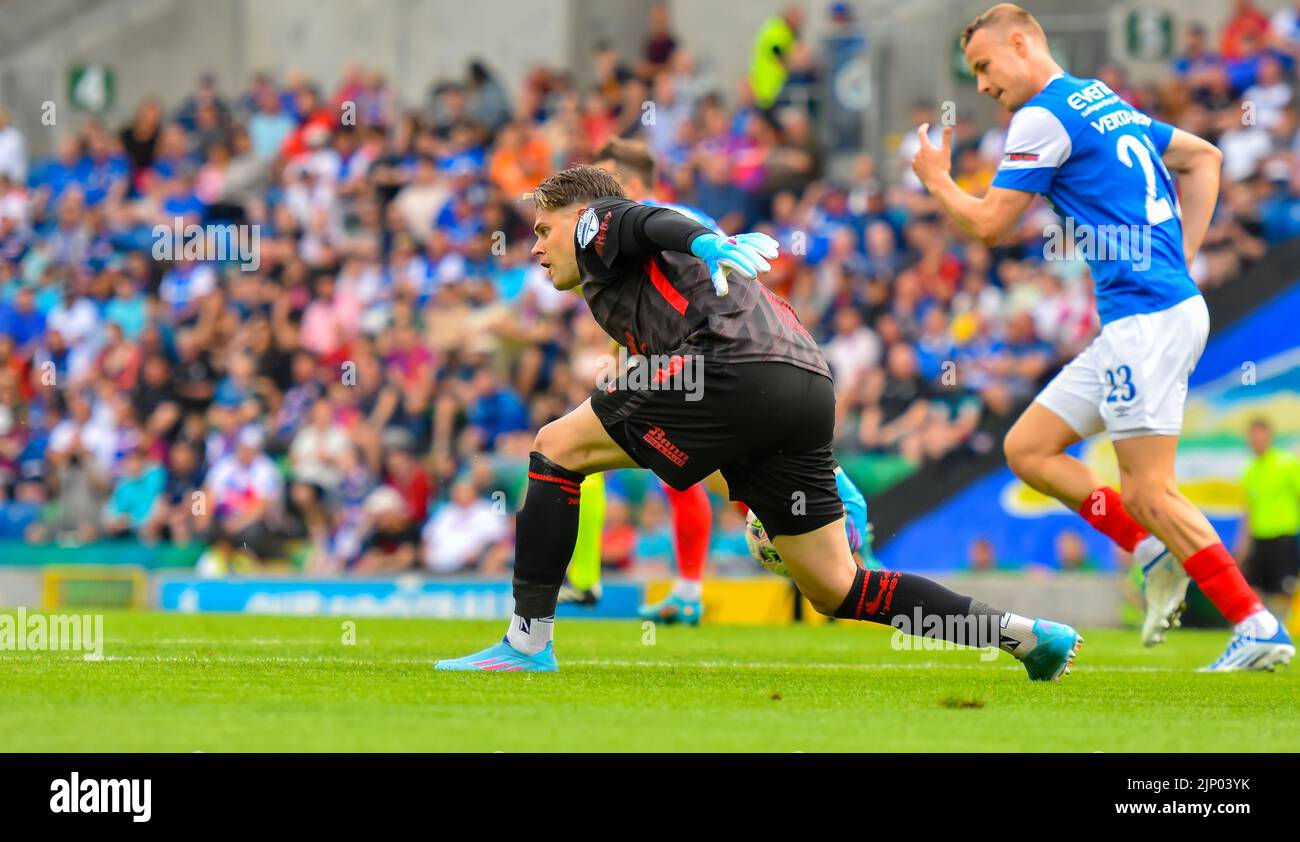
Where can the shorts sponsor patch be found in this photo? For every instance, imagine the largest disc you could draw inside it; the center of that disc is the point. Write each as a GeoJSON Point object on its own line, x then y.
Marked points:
{"type": "Point", "coordinates": [657, 439]}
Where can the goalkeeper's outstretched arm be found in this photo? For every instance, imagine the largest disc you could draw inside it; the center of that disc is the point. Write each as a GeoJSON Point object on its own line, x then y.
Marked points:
{"type": "Point", "coordinates": [645, 230]}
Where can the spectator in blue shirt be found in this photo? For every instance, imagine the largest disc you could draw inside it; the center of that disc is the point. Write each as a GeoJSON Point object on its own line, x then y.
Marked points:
{"type": "Point", "coordinates": [1196, 56]}
{"type": "Point", "coordinates": [137, 492]}
{"type": "Point", "coordinates": [21, 320]}
{"type": "Point", "coordinates": [104, 175]}
{"type": "Point", "coordinates": [495, 409]}
{"type": "Point", "coordinates": [269, 126]}
{"type": "Point", "coordinates": [53, 176]}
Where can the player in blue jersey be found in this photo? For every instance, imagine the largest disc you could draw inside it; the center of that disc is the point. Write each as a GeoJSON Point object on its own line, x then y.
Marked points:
{"type": "Point", "coordinates": [1108, 169]}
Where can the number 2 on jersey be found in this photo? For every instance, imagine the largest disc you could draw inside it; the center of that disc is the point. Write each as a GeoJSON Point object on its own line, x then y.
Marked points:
{"type": "Point", "coordinates": [1128, 147]}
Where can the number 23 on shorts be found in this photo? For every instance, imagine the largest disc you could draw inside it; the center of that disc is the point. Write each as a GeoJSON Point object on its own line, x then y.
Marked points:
{"type": "Point", "coordinates": [1120, 383]}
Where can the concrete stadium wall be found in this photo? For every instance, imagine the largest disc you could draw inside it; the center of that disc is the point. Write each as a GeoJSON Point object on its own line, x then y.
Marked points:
{"type": "Point", "coordinates": [22, 587]}
{"type": "Point", "coordinates": [1090, 600]}
{"type": "Point", "coordinates": [1083, 600]}
{"type": "Point", "coordinates": [923, 30]}
{"type": "Point", "coordinates": [156, 47]}
{"type": "Point", "coordinates": [913, 42]}
{"type": "Point", "coordinates": [161, 46]}
{"type": "Point", "coordinates": [412, 41]}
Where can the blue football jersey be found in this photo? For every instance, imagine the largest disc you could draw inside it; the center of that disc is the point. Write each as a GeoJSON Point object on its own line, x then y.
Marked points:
{"type": "Point", "coordinates": [694, 213]}
{"type": "Point", "coordinates": [1096, 159]}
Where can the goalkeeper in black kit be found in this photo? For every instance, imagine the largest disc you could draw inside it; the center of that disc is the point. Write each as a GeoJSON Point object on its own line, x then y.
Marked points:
{"type": "Point", "coordinates": [761, 409]}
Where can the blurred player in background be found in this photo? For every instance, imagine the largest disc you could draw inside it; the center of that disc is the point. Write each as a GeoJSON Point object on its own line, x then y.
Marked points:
{"type": "Point", "coordinates": [1266, 538]}
{"type": "Point", "coordinates": [1102, 163]}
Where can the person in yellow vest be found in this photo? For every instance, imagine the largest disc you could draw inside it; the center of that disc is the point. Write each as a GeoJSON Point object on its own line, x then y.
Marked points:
{"type": "Point", "coordinates": [769, 67]}
{"type": "Point", "coordinates": [1266, 539]}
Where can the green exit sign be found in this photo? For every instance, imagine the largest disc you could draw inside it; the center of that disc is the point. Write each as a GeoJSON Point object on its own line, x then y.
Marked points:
{"type": "Point", "coordinates": [1149, 34]}
{"type": "Point", "coordinates": [90, 87]}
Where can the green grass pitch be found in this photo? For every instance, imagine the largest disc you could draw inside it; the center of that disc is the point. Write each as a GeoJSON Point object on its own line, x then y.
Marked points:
{"type": "Point", "coordinates": [172, 682]}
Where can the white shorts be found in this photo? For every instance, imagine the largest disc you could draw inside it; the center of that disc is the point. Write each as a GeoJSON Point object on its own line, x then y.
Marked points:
{"type": "Point", "coordinates": [1132, 380]}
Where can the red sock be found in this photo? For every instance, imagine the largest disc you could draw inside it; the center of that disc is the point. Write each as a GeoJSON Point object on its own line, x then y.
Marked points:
{"type": "Point", "coordinates": [692, 518]}
{"type": "Point", "coordinates": [1105, 511]}
{"type": "Point", "coordinates": [1219, 578]}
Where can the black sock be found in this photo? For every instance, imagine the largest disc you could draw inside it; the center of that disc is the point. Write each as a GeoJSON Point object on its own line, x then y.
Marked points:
{"type": "Point", "coordinates": [920, 606]}
{"type": "Point", "coordinates": [546, 530]}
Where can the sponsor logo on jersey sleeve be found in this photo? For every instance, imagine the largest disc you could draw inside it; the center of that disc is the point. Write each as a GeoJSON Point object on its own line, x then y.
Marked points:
{"type": "Point", "coordinates": [587, 227]}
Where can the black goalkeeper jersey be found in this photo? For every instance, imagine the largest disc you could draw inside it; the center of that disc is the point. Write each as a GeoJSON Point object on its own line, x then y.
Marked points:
{"type": "Point", "coordinates": [657, 300]}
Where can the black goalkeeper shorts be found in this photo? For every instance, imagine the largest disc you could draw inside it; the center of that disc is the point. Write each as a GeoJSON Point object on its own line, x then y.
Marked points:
{"type": "Point", "coordinates": [767, 426]}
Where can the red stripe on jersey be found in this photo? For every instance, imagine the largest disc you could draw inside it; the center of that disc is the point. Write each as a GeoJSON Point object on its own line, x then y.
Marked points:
{"type": "Point", "coordinates": [784, 310]}
{"type": "Point", "coordinates": [674, 298]}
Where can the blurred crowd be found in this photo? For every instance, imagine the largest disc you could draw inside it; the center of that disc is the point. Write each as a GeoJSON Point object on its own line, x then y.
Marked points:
{"type": "Point", "coordinates": [361, 393]}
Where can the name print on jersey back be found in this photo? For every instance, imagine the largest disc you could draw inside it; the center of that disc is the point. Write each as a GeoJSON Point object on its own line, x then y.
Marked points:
{"type": "Point", "coordinates": [1096, 160]}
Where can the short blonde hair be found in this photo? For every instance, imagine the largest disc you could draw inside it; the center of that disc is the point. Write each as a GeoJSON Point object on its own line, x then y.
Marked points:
{"type": "Point", "coordinates": [577, 185]}
{"type": "Point", "coordinates": [1001, 15]}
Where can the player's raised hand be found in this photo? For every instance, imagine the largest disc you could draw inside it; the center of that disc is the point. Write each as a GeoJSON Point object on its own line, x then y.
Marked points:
{"type": "Point", "coordinates": [747, 254]}
{"type": "Point", "coordinates": [931, 162]}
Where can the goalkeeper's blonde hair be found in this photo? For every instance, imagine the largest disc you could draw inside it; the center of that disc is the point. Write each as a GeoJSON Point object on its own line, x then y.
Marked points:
{"type": "Point", "coordinates": [579, 185]}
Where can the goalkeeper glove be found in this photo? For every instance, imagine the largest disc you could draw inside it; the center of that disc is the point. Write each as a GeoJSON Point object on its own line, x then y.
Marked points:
{"type": "Point", "coordinates": [744, 253]}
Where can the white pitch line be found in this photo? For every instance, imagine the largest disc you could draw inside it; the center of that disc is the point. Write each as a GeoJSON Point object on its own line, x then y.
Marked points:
{"type": "Point", "coordinates": [609, 662]}
{"type": "Point", "coordinates": [919, 665]}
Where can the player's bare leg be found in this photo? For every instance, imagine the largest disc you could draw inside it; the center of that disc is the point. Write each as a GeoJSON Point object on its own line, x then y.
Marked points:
{"type": "Point", "coordinates": [1035, 450]}
{"type": "Point", "coordinates": [579, 443]}
{"type": "Point", "coordinates": [546, 531]}
{"type": "Point", "coordinates": [822, 565]}
{"type": "Point", "coordinates": [1150, 492]}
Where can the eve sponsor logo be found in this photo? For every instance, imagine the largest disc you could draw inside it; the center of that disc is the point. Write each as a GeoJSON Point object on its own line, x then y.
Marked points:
{"type": "Point", "coordinates": [94, 795]}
